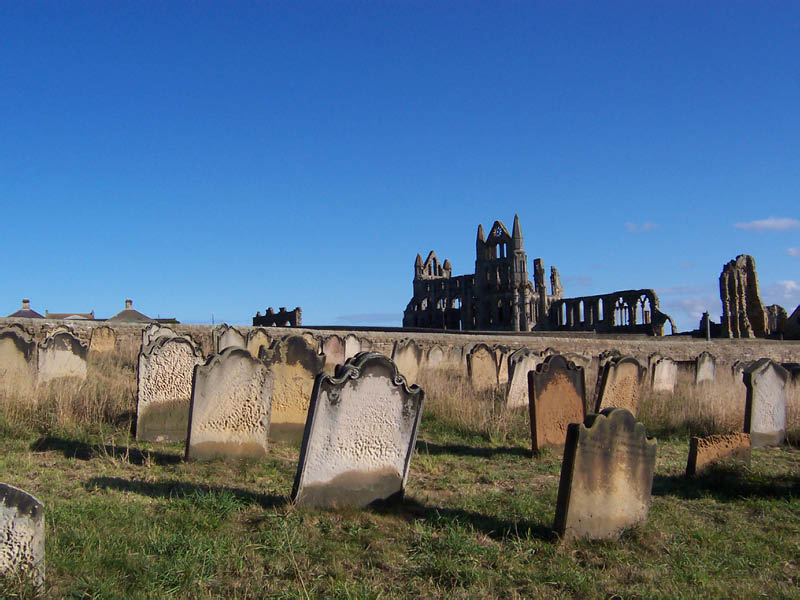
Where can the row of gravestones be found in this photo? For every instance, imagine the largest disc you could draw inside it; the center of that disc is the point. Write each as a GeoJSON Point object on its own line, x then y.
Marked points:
{"type": "Point", "coordinates": [23, 360]}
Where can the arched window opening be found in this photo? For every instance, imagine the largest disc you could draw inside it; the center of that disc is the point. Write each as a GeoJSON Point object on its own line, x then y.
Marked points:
{"type": "Point", "coordinates": [600, 316]}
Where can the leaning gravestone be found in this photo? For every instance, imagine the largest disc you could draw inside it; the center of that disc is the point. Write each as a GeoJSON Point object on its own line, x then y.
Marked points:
{"type": "Point", "coordinates": [706, 366]}
{"type": "Point", "coordinates": [408, 357]}
{"type": "Point", "coordinates": [17, 358]}
{"type": "Point", "coordinates": [606, 476]}
{"type": "Point", "coordinates": [230, 409]}
{"type": "Point", "coordinates": [334, 351]}
{"type": "Point", "coordinates": [665, 375]}
{"type": "Point", "coordinates": [361, 431]}
{"type": "Point", "coordinates": [62, 355]}
{"type": "Point", "coordinates": [256, 339]}
{"type": "Point", "coordinates": [226, 336]}
{"type": "Point", "coordinates": [713, 449]}
{"type": "Point", "coordinates": [293, 363]}
{"type": "Point", "coordinates": [765, 408]}
{"type": "Point", "coordinates": [482, 367]}
{"type": "Point", "coordinates": [520, 363]}
{"type": "Point", "coordinates": [154, 331]}
{"type": "Point", "coordinates": [104, 339]}
{"type": "Point", "coordinates": [557, 398]}
{"type": "Point", "coordinates": [621, 385]}
{"type": "Point", "coordinates": [21, 535]}
{"type": "Point", "coordinates": [164, 391]}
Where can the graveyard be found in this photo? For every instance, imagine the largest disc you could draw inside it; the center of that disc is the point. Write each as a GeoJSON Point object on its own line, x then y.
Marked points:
{"type": "Point", "coordinates": [402, 466]}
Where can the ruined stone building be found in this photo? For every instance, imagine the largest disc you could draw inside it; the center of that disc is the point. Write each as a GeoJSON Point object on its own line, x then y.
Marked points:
{"type": "Point", "coordinates": [500, 296]}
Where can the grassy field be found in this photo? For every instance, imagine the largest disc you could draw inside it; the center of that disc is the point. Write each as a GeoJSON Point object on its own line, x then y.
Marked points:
{"type": "Point", "coordinates": [130, 520]}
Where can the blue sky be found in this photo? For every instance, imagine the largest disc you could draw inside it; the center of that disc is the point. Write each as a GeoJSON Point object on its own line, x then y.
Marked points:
{"type": "Point", "coordinates": [208, 158]}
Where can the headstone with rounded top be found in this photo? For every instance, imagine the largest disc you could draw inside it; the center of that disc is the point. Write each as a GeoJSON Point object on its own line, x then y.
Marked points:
{"type": "Point", "coordinates": [557, 398]}
{"type": "Point", "coordinates": [765, 408]}
{"type": "Point", "coordinates": [21, 535]}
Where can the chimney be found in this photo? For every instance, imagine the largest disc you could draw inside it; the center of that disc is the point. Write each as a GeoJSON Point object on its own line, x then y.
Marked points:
{"type": "Point", "coordinates": [128, 304]}
{"type": "Point", "coordinates": [26, 304]}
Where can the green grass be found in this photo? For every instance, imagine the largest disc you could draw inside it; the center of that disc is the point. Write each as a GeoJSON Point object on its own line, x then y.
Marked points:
{"type": "Point", "coordinates": [128, 520]}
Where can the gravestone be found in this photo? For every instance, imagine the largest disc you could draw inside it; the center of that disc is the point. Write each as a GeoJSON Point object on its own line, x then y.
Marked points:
{"type": "Point", "coordinates": [352, 346]}
{"type": "Point", "coordinates": [706, 367]}
{"type": "Point", "coordinates": [501, 354]}
{"type": "Point", "coordinates": [360, 434]}
{"type": "Point", "coordinates": [17, 358]}
{"type": "Point", "coordinates": [334, 351]}
{"type": "Point", "coordinates": [557, 398]}
{"type": "Point", "coordinates": [154, 331]}
{"type": "Point", "coordinates": [665, 375]}
{"type": "Point", "coordinates": [713, 449]}
{"type": "Point", "coordinates": [21, 535]}
{"type": "Point", "coordinates": [164, 389]}
{"type": "Point", "coordinates": [765, 407]}
{"type": "Point", "coordinates": [520, 363]}
{"type": "Point", "coordinates": [226, 336]}
{"type": "Point", "coordinates": [482, 368]}
{"type": "Point", "coordinates": [62, 355]}
{"type": "Point", "coordinates": [293, 364]}
{"type": "Point", "coordinates": [229, 416]}
{"type": "Point", "coordinates": [434, 357]}
{"type": "Point", "coordinates": [256, 339]}
{"type": "Point", "coordinates": [621, 385]}
{"type": "Point", "coordinates": [606, 476]}
{"type": "Point", "coordinates": [104, 339]}
{"type": "Point", "coordinates": [408, 357]}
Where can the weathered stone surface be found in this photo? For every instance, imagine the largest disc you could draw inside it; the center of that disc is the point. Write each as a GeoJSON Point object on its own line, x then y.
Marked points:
{"type": "Point", "coordinates": [408, 357]}
{"type": "Point", "coordinates": [665, 375]}
{"type": "Point", "coordinates": [606, 476]}
{"type": "Point", "coordinates": [154, 331]}
{"type": "Point", "coordinates": [229, 415]}
{"type": "Point", "coordinates": [621, 385]}
{"type": "Point", "coordinates": [765, 409]}
{"type": "Point", "coordinates": [226, 336]}
{"type": "Point", "coordinates": [334, 350]}
{"type": "Point", "coordinates": [435, 357]}
{"type": "Point", "coordinates": [712, 449]}
{"type": "Point", "coordinates": [520, 363]}
{"type": "Point", "coordinates": [21, 535]}
{"type": "Point", "coordinates": [360, 435]}
{"type": "Point", "coordinates": [165, 389]}
{"type": "Point", "coordinates": [17, 358]}
{"type": "Point", "coordinates": [257, 339]}
{"type": "Point", "coordinates": [557, 398]}
{"type": "Point", "coordinates": [352, 346]}
{"type": "Point", "coordinates": [743, 312]}
{"type": "Point", "coordinates": [104, 339]}
{"type": "Point", "coordinates": [482, 367]}
{"type": "Point", "coordinates": [293, 364]}
{"type": "Point", "coordinates": [706, 367]}
{"type": "Point", "coordinates": [62, 355]}
{"type": "Point", "coordinates": [501, 355]}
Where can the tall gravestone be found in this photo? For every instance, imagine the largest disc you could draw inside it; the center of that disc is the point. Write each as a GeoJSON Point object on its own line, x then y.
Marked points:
{"type": "Point", "coordinates": [482, 367]}
{"type": "Point", "coordinates": [293, 364]}
{"type": "Point", "coordinates": [229, 416]}
{"type": "Point", "coordinates": [606, 476]}
{"type": "Point", "coordinates": [21, 535]}
{"type": "Point", "coordinates": [557, 398]}
{"type": "Point", "coordinates": [62, 355]}
{"type": "Point", "coordinates": [665, 375]}
{"type": "Point", "coordinates": [359, 437]}
{"type": "Point", "coordinates": [621, 385]}
{"type": "Point", "coordinates": [17, 358]}
{"type": "Point", "coordinates": [257, 339]}
{"type": "Point", "coordinates": [154, 331]}
{"type": "Point", "coordinates": [334, 350]}
{"type": "Point", "coordinates": [765, 408]}
{"type": "Point", "coordinates": [164, 389]}
{"type": "Point", "coordinates": [226, 336]}
{"type": "Point", "coordinates": [103, 340]}
{"type": "Point", "coordinates": [706, 368]}
{"type": "Point", "coordinates": [520, 363]}
{"type": "Point", "coordinates": [408, 357]}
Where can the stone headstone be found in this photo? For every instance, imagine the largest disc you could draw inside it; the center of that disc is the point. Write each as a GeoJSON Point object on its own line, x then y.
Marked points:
{"type": "Point", "coordinates": [334, 351]}
{"type": "Point", "coordinates": [293, 364]}
{"type": "Point", "coordinates": [154, 331]}
{"type": "Point", "coordinates": [62, 355]}
{"type": "Point", "coordinates": [765, 408]}
{"type": "Point", "coordinates": [434, 357]}
{"type": "Point", "coordinates": [520, 363]}
{"type": "Point", "coordinates": [557, 398]}
{"type": "Point", "coordinates": [713, 449]}
{"type": "Point", "coordinates": [482, 368]}
{"type": "Point", "coordinates": [665, 375]}
{"type": "Point", "coordinates": [164, 389]}
{"type": "Point", "coordinates": [17, 358]}
{"type": "Point", "coordinates": [21, 535]}
{"type": "Point", "coordinates": [257, 339]}
{"type": "Point", "coordinates": [408, 357]}
{"type": "Point", "coordinates": [352, 346]}
{"type": "Point", "coordinates": [606, 476]}
{"type": "Point", "coordinates": [229, 416]}
{"type": "Point", "coordinates": [501, 355]}
{"type": "Point", "coordinates": [360, 434]}
{"type": "Point", "coordinates": [104, 339]}
{"type": "Point", "coordinates": [706, 367]}
{"type": "Point", "coordinates": [226, 336]}
{"type": "Point", "coordinates": [621, 385]}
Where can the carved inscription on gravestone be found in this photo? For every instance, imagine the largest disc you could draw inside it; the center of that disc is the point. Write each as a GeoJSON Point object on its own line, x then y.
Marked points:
{"type": "Point", "coordinates": [557, 395]}
{"type": "Point", "coordinates": [360, 435]}
{"type": "Point", "coordinates": [621, 385]}
{"type": "Point", "coordinates": [765, 407]}
{"type": "Point", "coordinates": [606, 476]}
{"type": "Point", "coordinates": [21, 535]}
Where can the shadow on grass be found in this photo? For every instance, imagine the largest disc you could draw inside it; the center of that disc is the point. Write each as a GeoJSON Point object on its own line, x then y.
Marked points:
{"type": "Point", "coordinates": [84, 451]}
{"type": "Point", "coordinates": [180, 489]}
{"type": "Point", "coordinates": [424, 447]}
{"type": "Point", "coordinates": [727, 483]}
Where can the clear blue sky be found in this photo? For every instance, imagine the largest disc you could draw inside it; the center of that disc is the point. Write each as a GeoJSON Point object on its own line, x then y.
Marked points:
{"type": "Point", "coordinates": [218, 158]}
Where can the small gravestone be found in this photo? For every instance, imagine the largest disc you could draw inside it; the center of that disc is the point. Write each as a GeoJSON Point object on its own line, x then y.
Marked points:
{"type": "Point", "coordinates": [501, 355]}
{"type": "Point", "coordinates": [606, 476]}
{"type": "Point", "coordinates": [21, 535]}
{"type": "Point", "coordinates": [104, 340]}
{"type": "Point", "coordinates": [621, 385]}
{"type": "Point", "coordinates": [257, 339]}
{"type": "Point", "coordinates": [557, 398]}
{"type": "Point", "coordinates": [520, 363]}
{"type": "Point", "coordinates": [17, 358]}
{"type": "Point", "coordinates": [360, 434]}
{"type": "Point", "coordinates": [713, 449]}
{"type": "Point", "coordinates": [226, 336]}
{"type": "Point", "coordinates": [155, 331]}
{"type": "Point", "coordinates": [482, 368]}
{"type": "Point", "coordinates": [706, 367]}
{"type": "Point", "coordinates": [665, 375]}
{"type": "Point", "coordinates": [230, 410]}
{"type": "Point", "coordinates": [164, 389]}
{"type": "Point", "coordinates": [765, 408]}
{"type": "Point", "coordinates": [334, 351]}
{"type": "Point", "coordinates": [293, 363]}
{"type": "Point", "coordinates": [352, 346]}
{"type": "Point", "coordinates": [62, 355]}
{"type": "Point", "coordinates": [408, 357]}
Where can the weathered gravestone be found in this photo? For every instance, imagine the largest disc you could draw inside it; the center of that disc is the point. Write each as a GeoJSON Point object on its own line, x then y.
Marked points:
{"type": "Point", "coordinates": [154, 331]}
{"type": "Point", "coordinates": [706, 367]}
{"type": "Point", "coordinates": [17, 358]}
{"type": "Point", "coordinates": [226, 336]}
{"type": "Point", "coordinates": [164, 389]}
{"type": "Point", "coordinates": [665, 375]}
{"type": "Point", "coordinates": [334, 351]}
{"type": "Point", "coordinates": [520, 363]}
{"type": "Point", "coordinates": [435, 357]}
{"type": "Point", "coordinates": [104, 339]}
{"type": "Point", "coordinates": [765, 407]}
{"type": "Point", "coordinates": [557, 398]}
{"type": "Point", "coordinates": [21, 535]}
{"type": "Point", "coordinates": [501, 355]}
{"type": "Point", "coordinates": [352, 346]}
{"type": "Point", "coordinates": [229, 416]}
{"type": "Point", "coordinates": [408, 357]}
{"type": "Point", "coordinates": [62, 355]}
{"type": "Point", "coordinates": [713, 449]}
{"type": "Point", "coordinates": [606, 476]}
{"type": "Point", "coordinates": [482, 367]}
{"type": "Point", "coordinates": [621, 385]}
{"type": "Point", "coordinates": [359, 437]}
{"type": "Point", "coordinates": [257, 339]}
{"type": "Point", "coordinates": [293, 363]}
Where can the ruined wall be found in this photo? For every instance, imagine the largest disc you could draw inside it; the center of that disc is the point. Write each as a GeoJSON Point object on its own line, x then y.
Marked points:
{"type": "Point", "coordinates": [743, 312]}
